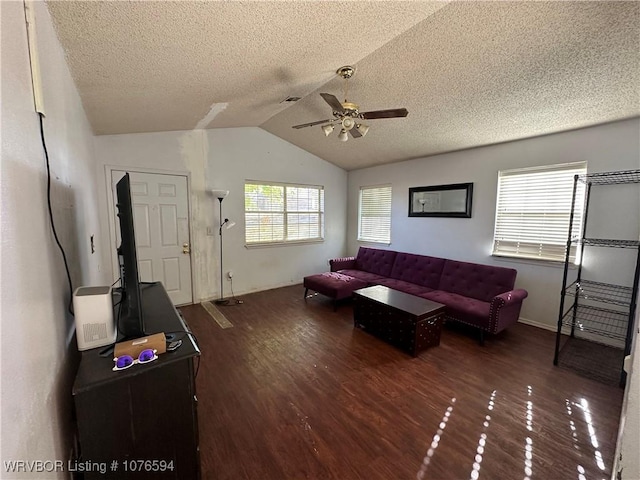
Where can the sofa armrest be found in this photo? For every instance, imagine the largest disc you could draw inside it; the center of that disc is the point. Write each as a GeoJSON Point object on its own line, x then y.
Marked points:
{"type": "Point", "coordinates": [342, 263]}
{"type": "Point", "coordinates": [505, 309]}
{"type": "Point", "coordinates": [512, 297]}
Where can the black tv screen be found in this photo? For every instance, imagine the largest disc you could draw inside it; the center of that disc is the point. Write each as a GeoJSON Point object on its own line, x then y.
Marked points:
{"type": "Point", "coordinates": [130, 318]}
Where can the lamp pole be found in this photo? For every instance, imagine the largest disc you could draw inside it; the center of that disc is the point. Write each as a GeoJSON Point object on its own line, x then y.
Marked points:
{"type": "Point", "coordinates": [221, 300]}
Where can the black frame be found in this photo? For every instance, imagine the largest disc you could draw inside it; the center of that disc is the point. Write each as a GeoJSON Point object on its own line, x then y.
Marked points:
{"type": "Point", "coordinates": [468, 187]}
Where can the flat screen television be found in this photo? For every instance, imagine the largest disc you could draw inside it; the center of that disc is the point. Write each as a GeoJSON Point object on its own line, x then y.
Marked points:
{"type": "Point", "coordinates": [130, 317]}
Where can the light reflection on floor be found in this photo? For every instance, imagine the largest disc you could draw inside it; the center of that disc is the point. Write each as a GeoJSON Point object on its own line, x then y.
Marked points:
{"type": "Point", "coordinates": [475, 472]}
{"type": "Point", "coordinates": [581, 473]}
{"type": "Point", "coordinates": [571, 406]}
{"type": "Point", "coordinates": [572, 424]}
{"type": "Point", "coordinates": [584, 405]}
{"type": "Point", "coordinates": [528, 442]}
{"type": "Point", "coordinates": [436, 440]}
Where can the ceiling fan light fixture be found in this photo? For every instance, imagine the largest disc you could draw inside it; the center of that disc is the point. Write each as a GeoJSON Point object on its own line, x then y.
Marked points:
{"type": "Point", "coordinates": [327, 129]}
{"type": "Point", "coordinates": [342, 136]}
{"type": "Point", "coordinates": [362, 128]}
{"type": "Point", "coordinates": [348, 123]}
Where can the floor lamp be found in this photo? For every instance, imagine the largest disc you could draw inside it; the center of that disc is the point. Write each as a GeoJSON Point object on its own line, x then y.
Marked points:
{"type": "Point", "coordinates": [221, 194]}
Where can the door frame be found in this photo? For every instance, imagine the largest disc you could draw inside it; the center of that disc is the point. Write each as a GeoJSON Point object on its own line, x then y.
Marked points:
{"type": "Point", "coordinates": [109, 169]}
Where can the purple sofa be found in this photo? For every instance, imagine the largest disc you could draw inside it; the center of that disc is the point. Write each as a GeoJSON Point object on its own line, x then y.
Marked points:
{"type": "Point", "coordinates": [479, 295]}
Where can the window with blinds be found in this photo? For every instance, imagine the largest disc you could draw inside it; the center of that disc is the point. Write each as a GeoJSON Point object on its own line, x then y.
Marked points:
{"type": "Point", "coordinates": [281, 213]}
{"type": "Point", "coordinates": [374, 214]}
{"type": "Point", "coordinates": [533, 211]}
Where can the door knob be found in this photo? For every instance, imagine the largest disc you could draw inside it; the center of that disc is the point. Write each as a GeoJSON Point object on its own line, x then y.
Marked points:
{"type": "Point", "coordinates": [185, 248]}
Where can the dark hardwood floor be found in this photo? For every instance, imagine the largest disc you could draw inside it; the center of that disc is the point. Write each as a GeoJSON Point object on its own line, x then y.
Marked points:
{"type": "Point", "coordinates": [293, 391]}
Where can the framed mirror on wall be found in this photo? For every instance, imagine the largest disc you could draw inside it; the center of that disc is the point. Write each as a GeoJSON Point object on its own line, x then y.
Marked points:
{"type": "Point", "coordinates": [441, 200]}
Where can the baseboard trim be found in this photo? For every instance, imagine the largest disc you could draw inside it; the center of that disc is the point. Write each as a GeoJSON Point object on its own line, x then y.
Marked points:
{"type": "Point", "coordinates": [567, 331]}
{"type": "Point", "coordinates": [534, 323]}
{"type": "Point", "coordinates": [247, 292]}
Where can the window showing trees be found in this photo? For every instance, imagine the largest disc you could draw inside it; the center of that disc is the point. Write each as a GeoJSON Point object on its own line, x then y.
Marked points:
{"type": "Point", "coordinates": [283, 213]}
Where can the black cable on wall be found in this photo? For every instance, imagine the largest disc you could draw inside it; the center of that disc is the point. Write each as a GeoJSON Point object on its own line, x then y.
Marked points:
{"type": "Point", "coordinates": [53, 225]}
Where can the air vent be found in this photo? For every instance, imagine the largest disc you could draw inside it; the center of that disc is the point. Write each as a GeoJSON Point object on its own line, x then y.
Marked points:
{"type": "Point", "coordinates": [290, 99]}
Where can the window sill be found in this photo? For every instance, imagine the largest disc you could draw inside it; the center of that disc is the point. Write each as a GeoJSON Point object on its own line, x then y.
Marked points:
{"type": "Point", "coordinates": [373, 242]}
{"type": "Point", "coordinates": [282, 244]}
{"type": "Point", "coordinates": [533, 261]}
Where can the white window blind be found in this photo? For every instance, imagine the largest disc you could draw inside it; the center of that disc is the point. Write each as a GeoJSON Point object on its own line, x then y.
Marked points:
{"type": "Point", "coordinates": [374, 214]}
{"type": "Point", "coordinates": [533, 211]}
{"type": "Point", "coordinates": [281, 213]}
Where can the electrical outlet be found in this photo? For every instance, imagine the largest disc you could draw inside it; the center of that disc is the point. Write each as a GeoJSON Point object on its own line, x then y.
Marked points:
{"type": "Point", "coordinates": [230, 274]}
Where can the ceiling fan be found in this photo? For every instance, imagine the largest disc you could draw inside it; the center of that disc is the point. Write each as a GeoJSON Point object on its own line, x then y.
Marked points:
{"type": "Point", "coordinates": [347, 115]}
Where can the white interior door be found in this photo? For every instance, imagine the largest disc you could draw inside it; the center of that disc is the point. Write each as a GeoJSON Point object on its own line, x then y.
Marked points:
{"type": "Point", "coordinates": [161, 223]}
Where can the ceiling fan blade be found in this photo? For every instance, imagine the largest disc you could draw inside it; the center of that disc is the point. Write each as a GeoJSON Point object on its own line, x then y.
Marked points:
{"type": "Point", "coordinates": [355, 133]}
{"type": "Point", "coordinates": [311, 124]}
{"type": "Point", "coordinates": [391, 113]}
{"type": "Point", "coordinates": [333, 102]}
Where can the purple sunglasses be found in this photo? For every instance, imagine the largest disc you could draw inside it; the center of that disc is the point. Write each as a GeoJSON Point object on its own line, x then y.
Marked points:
{"type": "Point", "coordinates": [125, 361]}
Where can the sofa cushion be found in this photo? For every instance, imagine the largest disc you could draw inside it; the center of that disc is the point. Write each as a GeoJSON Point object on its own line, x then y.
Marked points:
{"type": "Point", "coordinates": [406, 287]}
{"type": "Point", "coordinates": [462, 308]}
{"type": "Point", "coordinates": [375, 260]}
{"type": "Point", "coordinates": [333, 284]}
{"type": "Point", "coordinates": [418, 269]}
{"type": "Point", "coordinates": [482, 282]}
{"type": "Point", "coordinates": [370, 278]}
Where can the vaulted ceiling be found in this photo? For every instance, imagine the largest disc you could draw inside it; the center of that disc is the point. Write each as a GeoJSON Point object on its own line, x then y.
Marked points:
{"type": "Point", "coordinates": [469, 73]}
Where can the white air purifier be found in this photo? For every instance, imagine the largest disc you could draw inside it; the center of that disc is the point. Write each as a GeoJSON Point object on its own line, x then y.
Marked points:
{"type": "Point", "coordinates": [93, 310]}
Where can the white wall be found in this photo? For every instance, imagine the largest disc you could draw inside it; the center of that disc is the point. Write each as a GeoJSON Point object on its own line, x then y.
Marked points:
{"type": "Point", "coordinates": [223, 159]}
{"type": "Point", "coordinates": [38, 358]}
{"type": "Point", "coordinates": [239, 154]}
{"type": "Point", "coordinates": [627, 460]}
{"type": "Point", "coordinates": [613, 213]}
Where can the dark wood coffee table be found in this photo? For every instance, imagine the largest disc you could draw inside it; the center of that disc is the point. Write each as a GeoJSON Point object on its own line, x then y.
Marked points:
{"type": "Point", "coordinates": [406, 321]}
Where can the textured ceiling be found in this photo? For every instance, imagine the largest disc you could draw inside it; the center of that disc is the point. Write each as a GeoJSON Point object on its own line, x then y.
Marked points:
{"type": "Point", "coordinates": [470, 73]}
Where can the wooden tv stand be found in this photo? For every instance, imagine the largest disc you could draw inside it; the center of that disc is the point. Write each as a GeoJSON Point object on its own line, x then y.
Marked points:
{"type": "Point", "coordinates": [142, 420]}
